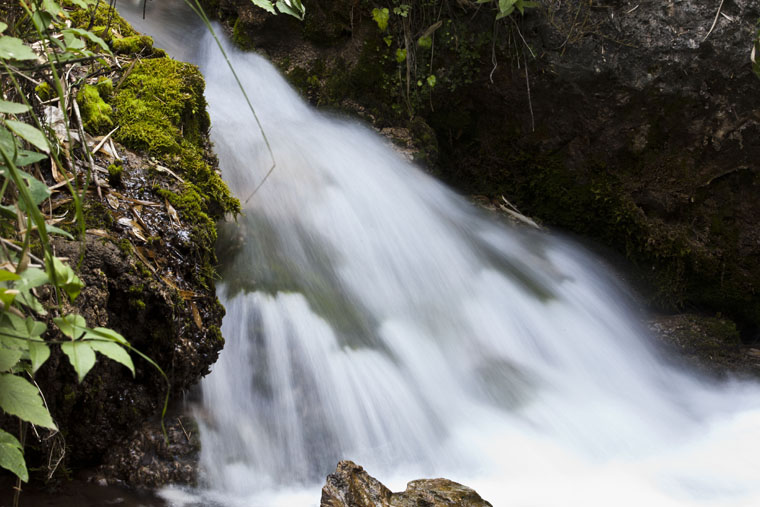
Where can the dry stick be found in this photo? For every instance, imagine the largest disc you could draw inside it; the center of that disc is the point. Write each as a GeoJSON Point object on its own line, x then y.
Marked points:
{"type": "Point", "coordinates": [187, 436]}
{"type": "Point", "coordinates": [715, 21]}
{"type": "Point", "coordinates": [19, 249]}
{"type": "Point", "coordinates": [105, 139]}
{"type": "Point", "coordinates": [530, 103]}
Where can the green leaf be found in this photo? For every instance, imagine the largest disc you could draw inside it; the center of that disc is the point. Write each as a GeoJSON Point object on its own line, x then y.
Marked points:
{"type": "Point", "coordinates": [12, 48]}
{"type": "Point", "coordinates": [381, 17]}
{"type": "Point", "coordinates": [109, 334]}
{"type": "Point", "coordinates": [37, 189]}
{"type": "Point", "coordinates": [52, 7]}
{"type": "Point", "coordinates": [6, 275]}
{"type": "Point", "coordinates": [295, 9]}
{"type": "Point", "coordinates": [9, 358]}
{"type": "Point", "coordinates": [80, 3]}
{"type": "Point", "coordinates": [72, 42]}
{"type": "Point", "coordinates": [91, 36]}
{"type": "Point", "coordinates": [3, 26]}
{"type": "Point", "coordinates": [12, 107]}
{"type": "Point", "coordinates": [31, 278]}
{"type": "Point", "coordinates": [52, 229]}
{"type": "Point", "coordinates": [400, 55]}
{"type": "Point", "coordinates": [264, 4]}
{"type": "Point", "coordinates": [8, 211]}
{"type": "Point", "coordinates": [7, 296]}
{"type": "Point", "coordinates": [425, 42]}
{"type": "Point", "coordinates": [7, 143]}
{"type": "Point", "coordinates": [431, 80]}
{"type": "Point", "coordinates": [28, 157]}
{"type": "Point", "coordinates": [65, 278]}
{"type": "Point", "coordinates": [114, 351]}
{"type": "Point", "coordinates": [81, 356]}
{"type": "Point", "coordinates": [20, 398]}
{"type": "Point", "coordinates": [42, 20]}
{"type": "Point", "coordinates": [72, 325]}
{"type": "Point", "coordinates": [30, 133]}
{"type": "Point", "coordinates": [39, 352]}
{"type": "Point", "coordinates": [11, 456]}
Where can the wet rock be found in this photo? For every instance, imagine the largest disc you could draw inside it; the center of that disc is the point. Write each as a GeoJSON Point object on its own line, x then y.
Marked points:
{"type": "Point", "coordinates": [711, 345]}
{"type": "Point", "coordinates": [351, 486]}
{"type": "Point", "coordinates": [153, 461]}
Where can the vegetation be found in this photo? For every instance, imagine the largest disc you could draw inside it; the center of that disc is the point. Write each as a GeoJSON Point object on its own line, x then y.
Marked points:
{"type": "Point", "coordinates": [54, 57]}
{"type": "Point", "coordinates": [28, 324]}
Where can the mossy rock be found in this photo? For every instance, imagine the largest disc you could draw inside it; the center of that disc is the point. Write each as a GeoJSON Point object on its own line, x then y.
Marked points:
{"type": "Point", "coordinates": [161, 110]}
{"type": "Point", "coordinates": [133, 44]}
{"type": "Point", "coordinates": [102, 21]}
{"type": "Point", "coordinates": [96, 114]}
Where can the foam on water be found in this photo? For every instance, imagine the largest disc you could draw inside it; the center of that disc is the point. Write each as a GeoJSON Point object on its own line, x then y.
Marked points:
{"type": "Point", "coordinates": [374, 315]}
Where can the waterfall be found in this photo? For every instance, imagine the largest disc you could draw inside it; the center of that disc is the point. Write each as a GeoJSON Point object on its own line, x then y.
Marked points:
{"type": "Point", "coordinates": [374, 315]}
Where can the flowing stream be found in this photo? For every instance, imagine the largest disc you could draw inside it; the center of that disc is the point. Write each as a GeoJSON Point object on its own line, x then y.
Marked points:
{"type": "Point", "coordinates": [374, 315]}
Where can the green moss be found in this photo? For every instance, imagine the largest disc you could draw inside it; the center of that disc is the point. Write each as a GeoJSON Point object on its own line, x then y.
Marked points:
{"type": "Point", "coordinates": [45, 91]}
{"type": "Point", "coordinates": [105, 87]}
{"type": "Point", "coordinates": [137, 304]}
{"type": "Point", "coordinates": [133, 44]}
{"type": "Point", "coordinates": [240, 36]}
{"type": "Point", "coordinates": [103, 20]}
{"type": "Point", "coordinates": [161, 109]}
{"type": "Point", "coordinates": [96, 114]}
{"type": "Point", "coordinates": [114, 174]}
{"type": "Point", "coordinates": [126, 247]}
{"type": "Point", "coordinates": [215, 332]}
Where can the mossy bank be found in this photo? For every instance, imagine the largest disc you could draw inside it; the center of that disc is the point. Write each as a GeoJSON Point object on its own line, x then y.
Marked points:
{"type": "Point", "coordinates": [147, 259]}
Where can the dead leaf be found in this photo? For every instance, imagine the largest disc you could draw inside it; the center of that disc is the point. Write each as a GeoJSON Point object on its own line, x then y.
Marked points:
{"type": "Point", "coordinates": [112, 200]}
{"type": "Point", "coordinates": [98, 232]}
{"type": "Point", "coordinates": [134, 228]}
{"type": "Point", "coordinates": [172, 212]}
{"type": "Point", "coordinates": [145, 261]}
{"type": "Point", "coordinates": [196, 316]}
{"type": "Point", "coordinates": [166, 170]}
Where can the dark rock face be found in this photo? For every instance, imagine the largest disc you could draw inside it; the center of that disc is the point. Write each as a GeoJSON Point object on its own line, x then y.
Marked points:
{"type": "Point", "coordinates": [351, 486]}
{"type": "Point", "coordinates": [629, 122]}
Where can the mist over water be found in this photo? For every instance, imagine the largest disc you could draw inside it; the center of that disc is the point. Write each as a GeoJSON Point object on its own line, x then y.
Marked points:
{"type": "Point", "coordinates": [374, 315]}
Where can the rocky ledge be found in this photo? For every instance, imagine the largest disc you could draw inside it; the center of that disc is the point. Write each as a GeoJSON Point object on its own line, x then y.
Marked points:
{"type": "Point", "coordinates": [351, 486]}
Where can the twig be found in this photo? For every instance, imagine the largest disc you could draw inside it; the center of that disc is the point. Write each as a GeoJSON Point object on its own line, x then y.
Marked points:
{"type": "Point", "coordinates": [19, 249]}
{"type": "Point", "coordinates": [530, 102]}
{"type": "Point", "coordinates": [105, 139]}
{"type": "Point", "coordinates": [715, 21]}
{"type": "Point", "coordinates": [179, 420]}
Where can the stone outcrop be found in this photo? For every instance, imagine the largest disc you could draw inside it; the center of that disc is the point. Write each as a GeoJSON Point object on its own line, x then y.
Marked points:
{"type": "Point", "coordinates": [351, 486]}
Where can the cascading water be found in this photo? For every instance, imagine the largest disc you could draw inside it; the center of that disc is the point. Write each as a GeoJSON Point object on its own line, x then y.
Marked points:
{"type": "Point", "coordinates": [374, 315]}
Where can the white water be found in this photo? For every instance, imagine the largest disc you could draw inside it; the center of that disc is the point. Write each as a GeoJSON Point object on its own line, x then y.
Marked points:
{"type": "Point", "coordinates": [373, 315]}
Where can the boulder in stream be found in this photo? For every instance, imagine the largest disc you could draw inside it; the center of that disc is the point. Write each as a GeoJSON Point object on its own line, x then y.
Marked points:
{"type": "Point", "coordinates": [351, 486]}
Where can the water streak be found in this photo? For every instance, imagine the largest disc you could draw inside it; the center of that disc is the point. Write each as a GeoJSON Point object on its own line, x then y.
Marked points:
{"type": "Point", "coordinates": [373, 314]}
